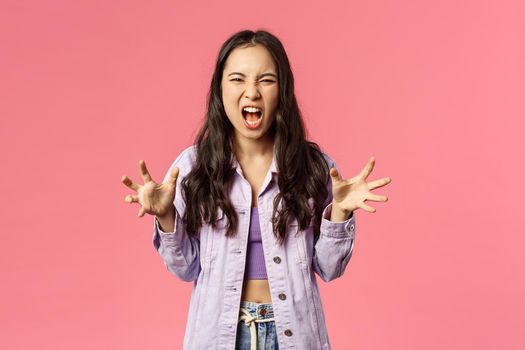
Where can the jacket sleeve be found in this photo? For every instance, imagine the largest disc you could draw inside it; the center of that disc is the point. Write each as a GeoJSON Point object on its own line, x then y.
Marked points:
{"type": "Point", "coordinates": [178, 250]}
{"type": "Point", "coordinates": [335, 244]}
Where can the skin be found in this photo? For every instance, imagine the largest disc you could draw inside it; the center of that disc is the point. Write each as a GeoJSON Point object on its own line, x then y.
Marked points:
{"type": "Point", "coordinates": [253, 87]}
{"type": "Point", "coordinates": [254, 152]}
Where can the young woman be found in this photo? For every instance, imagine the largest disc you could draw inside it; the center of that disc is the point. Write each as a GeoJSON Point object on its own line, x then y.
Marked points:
{"type": "Point", "coordinates": [253, 209]}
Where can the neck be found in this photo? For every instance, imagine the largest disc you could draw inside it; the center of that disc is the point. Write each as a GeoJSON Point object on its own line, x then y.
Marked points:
{"type": "Point", "coordinates": [249, 148]}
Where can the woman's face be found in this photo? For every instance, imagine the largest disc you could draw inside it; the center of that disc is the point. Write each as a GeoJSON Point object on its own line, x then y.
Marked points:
{"type": "Point", "coordinates": [250, 79]}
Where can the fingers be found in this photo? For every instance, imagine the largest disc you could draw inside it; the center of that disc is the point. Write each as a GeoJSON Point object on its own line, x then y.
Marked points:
{"type": "Point", "coordinates": [353, 180]}
{"type": "Point", "coordinates": [174, 175]}
{"type": "Point", "coordinates": [127, 181]}
{"type": "Point", "coordinates": [368, 168]}
{"type": "Point", "coordinates": [144, 171]}
{"type": "Point", "coordinates": [367, 208]}
{"type": "Point", "coordinates": [335, 175]}
{"type": "Point", "coordinates": [379, 183]}
{"type": "Point", "coordinates": [377, 198]}
{"type": "Point", "coordinates": [131, 199]}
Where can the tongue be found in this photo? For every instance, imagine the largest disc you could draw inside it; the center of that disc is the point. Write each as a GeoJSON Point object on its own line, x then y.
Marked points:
{"type": "Point", "coordinates": [252, 117]}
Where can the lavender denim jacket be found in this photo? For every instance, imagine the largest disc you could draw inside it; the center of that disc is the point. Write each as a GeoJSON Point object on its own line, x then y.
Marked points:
{"type": "Point", "coordinates": [216, 265]}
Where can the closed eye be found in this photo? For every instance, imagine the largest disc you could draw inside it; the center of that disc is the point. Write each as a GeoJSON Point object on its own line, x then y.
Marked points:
{"type": "Point", "coordinates": [239, 79]}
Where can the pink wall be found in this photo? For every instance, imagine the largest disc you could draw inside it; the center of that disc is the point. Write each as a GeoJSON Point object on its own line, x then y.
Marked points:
{"type": "Point", "coordinates": [434, 90]}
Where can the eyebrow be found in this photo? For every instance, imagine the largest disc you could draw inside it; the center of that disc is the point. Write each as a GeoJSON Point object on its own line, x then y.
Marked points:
{"type": "Point", "coordinates": [260, 76]}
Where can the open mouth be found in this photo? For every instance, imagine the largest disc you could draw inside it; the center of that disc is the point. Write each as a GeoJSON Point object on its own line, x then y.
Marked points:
{"type": "Point", "coordinates": [252, 118]}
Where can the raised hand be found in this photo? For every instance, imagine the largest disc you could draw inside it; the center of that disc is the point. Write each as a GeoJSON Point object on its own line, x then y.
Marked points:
{"type": "Point", "coordinates": [352, 193]}
{"type": "Point", "coordinates": [155, 199]}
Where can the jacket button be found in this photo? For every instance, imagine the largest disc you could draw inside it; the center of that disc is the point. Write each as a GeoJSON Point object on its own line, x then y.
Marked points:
{"type": "Point", "coordinates": [277, 260]}
{"type": "Point", "coordinates": [288, 332]}
{"type": "Point", "coordinates": [282, 296]}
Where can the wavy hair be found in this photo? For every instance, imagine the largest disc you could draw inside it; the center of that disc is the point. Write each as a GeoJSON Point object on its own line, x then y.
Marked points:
{"type": "Point", "coordinates": [303, 172]}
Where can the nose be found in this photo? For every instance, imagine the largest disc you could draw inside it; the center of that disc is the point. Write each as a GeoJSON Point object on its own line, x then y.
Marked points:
{"type": "Point", "coordinates": [252, 91]}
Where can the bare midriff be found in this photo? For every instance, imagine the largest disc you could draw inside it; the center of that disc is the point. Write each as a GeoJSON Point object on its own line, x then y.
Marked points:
{"type": "Point", "coordinates": [257, 291]}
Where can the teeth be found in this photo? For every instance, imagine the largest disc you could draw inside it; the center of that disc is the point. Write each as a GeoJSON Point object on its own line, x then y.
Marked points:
{"type": "Point", "coordinates": [252, 123]}
{"type": "Point", "coordinates": [251, 109]}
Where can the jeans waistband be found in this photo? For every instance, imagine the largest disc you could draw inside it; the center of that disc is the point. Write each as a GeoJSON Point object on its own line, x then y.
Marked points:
{"type": "Point", "coordinates": [252, 313]}
{"type": "Point", "coordinates": [260, 311]}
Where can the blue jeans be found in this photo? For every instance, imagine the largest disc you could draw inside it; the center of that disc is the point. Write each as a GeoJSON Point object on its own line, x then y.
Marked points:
{"type": "Point", "coordinates": [256, 327]}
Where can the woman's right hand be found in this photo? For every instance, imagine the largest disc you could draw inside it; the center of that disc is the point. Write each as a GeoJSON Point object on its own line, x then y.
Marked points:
{"type": "Point", "coordinates": [155, 199]}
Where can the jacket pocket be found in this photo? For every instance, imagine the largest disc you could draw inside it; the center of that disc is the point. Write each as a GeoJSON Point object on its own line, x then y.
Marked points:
{"type": "Point", "coordinates": [304, 238]}
{"type": "Point", "coordinates": [302, 241]}
{"type": "Point", "coordinates": [312, 308]}
{"type": "Point", "coordinates": [211, 236]}
{"type": "Point", "coordinates": [304, 261]}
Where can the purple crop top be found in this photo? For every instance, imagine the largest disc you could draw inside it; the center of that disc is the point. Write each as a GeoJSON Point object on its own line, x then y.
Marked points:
{"type": "Point", "coordinates": [255, 266]}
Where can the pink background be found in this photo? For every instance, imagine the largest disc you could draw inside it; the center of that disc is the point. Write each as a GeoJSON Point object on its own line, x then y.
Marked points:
{"type": "Point", "coordinates": [434, 90]}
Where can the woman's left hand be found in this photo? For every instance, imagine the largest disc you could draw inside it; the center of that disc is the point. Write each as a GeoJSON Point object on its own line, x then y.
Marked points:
{"type": "Point", "coordinates": [352, 193]}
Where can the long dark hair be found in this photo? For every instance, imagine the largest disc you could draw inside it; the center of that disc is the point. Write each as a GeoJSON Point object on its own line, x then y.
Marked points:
{"type": "Point", "coordinates": [303, 172]}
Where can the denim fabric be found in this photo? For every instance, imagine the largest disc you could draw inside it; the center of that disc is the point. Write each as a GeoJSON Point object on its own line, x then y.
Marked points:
{"type": "Point", "coordinates": [256, 318]}
{"type": "Point", "coordinates": [215, 263]}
